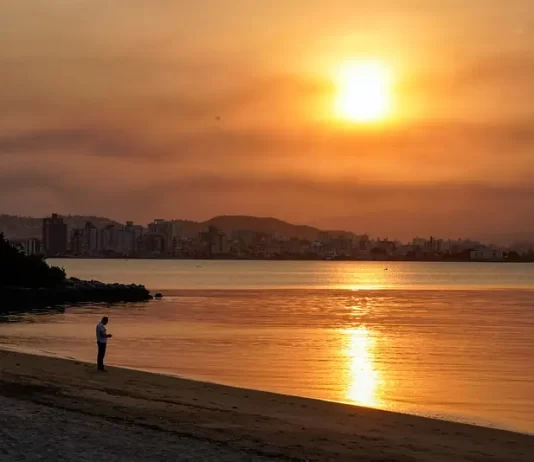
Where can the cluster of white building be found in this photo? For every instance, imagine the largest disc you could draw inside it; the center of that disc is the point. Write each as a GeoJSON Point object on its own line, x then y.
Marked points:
{"type": "Point", "coordinates": [91, 241]}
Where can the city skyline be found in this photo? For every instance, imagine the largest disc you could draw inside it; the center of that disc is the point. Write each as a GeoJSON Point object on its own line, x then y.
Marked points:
{"type": "Point", "coordinates": [493, 239]}
{"type": "Point", "coordinates": [242, 237]}
{"type": "Point", "coordinates": [177, 239]}
{"type": "Point", "coordinates": [407, 116]}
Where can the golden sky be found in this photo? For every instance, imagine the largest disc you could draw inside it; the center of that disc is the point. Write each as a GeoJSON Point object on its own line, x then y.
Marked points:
{"type": "Point", "coordinates": [135, 109]}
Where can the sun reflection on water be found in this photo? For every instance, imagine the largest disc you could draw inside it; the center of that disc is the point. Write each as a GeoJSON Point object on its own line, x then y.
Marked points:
{"type": "Point", "coordinates": [363, 380]}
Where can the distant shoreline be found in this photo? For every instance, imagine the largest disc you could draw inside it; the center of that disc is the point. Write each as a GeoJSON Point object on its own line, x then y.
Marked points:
{"type": "Point", "coordinates": [405, 260]}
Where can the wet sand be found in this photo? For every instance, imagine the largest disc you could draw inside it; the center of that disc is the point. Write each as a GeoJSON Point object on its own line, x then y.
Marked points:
{"type": "Point", "coordinates": [68, 408]}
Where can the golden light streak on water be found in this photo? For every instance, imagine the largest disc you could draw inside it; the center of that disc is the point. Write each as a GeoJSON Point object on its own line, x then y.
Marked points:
{"type": "Point", "coordinates": [364, 379]}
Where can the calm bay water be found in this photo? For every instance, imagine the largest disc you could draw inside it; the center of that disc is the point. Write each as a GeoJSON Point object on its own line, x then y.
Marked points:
{"type": "Point", "coordinates": [445, 340]}
{"type": "Point", "coordinates": [225, 275]}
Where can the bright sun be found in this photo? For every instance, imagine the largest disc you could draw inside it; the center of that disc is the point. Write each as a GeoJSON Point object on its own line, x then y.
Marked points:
{"type": "Point", "coordinates": [364, 92]}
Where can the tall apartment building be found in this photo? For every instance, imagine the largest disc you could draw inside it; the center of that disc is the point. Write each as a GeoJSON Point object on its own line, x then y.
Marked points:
{"type": "Point", "coordinates": [221, 244]}
{"type": "Point", "coordinates": [130, 238]}
{"type": "Point", "coordinates": [85, 241]}
{"type": "Point", "coordinates": [126, 239]}
{"type": "Point", "coordinates": [54, 235]}
{"type": "Point", "coordinates": [109, 239]}
{"type": "Point", "coordinates": [170, 231]}
{"type": "Point", "coordinates": [91, 234]}
{"type": "Point", "coordinates": [32, 246]}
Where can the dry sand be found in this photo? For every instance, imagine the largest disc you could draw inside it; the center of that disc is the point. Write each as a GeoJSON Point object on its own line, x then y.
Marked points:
{"type": "Point", "coordinates": [55, 409]}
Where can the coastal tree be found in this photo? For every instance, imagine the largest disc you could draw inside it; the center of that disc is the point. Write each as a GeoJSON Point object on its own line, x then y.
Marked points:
{"type": "Point", "coordinates": [20, 270]}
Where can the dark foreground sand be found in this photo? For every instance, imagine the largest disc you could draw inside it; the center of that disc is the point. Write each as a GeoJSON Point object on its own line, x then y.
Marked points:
{"type": "Point", "coordinates": [54, 409]}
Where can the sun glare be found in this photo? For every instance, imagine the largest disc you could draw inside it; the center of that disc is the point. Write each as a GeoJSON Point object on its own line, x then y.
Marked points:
{"type": "Point", "coordinates": [364, 92]}
{"type": "Point", "coordinates": [363, 379]}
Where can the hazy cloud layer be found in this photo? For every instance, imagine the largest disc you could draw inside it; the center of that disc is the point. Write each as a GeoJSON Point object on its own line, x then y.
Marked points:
{"type": "Point", "coordinates": [134, 110]}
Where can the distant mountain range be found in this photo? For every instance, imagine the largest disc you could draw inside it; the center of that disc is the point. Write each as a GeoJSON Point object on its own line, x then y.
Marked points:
{"type": "Point", "coordinates": [15, 227]}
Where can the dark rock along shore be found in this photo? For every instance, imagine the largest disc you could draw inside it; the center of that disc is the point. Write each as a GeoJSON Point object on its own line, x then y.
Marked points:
{"type": "Point", "coordinates": [28, 282]}
{"type": "Point", "coordinates": [71, 291]}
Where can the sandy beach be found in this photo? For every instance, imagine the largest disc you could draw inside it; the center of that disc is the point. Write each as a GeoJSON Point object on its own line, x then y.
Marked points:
{"type": "Point", "coordinates": [67, 409]}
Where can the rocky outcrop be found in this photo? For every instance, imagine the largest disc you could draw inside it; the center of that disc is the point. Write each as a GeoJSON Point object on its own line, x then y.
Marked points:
{"type": "Point", "coordinates": [28, 283]}
{"type": "Point", "coordinates": [71, 291]}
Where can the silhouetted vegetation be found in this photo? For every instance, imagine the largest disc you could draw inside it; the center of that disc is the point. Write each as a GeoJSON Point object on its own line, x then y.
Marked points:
{"type": "Point", "coordinates": [19, 270]}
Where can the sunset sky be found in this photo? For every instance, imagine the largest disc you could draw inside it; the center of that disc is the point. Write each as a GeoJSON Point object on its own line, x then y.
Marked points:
{"type": "Point", "coordinates": [137, 109]}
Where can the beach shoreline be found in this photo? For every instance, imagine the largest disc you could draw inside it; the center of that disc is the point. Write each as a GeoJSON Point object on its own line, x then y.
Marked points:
{"type": "Point", "coordinates": [207, 381]}
{"type": "Point", "coordinates": [260, 424]}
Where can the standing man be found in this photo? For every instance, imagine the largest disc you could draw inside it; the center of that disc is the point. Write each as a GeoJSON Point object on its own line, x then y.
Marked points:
{"type": "Point", "coordinates": [101, 341]}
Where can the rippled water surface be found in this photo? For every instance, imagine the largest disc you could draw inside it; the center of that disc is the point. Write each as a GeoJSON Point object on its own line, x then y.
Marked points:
{"type": "Point", "coordinates": [453, 341]}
